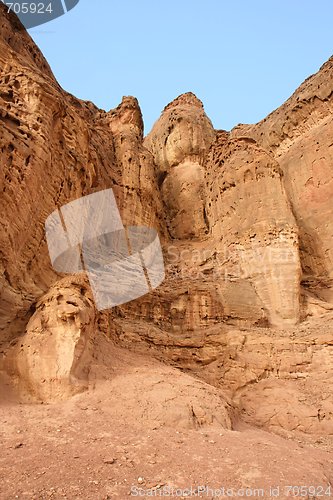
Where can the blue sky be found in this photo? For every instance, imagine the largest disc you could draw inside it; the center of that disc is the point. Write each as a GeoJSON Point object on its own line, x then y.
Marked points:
{"type": "Point", "coordinates": [242, 58]}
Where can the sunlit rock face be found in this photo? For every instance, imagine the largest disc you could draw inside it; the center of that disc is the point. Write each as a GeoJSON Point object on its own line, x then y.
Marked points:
{"type": "Point", "coordinates": [244, 218]}
{"type": "Point", "coordinates": [249, 211]}
{"type": "Point", "coordinates": [179, 142]}
{"type": "Point", "coordinates": [298, 135]}
{"type": "Point", "coordinates": [51, 361]}
{"type": "Point", "coordinates": [229, 193]}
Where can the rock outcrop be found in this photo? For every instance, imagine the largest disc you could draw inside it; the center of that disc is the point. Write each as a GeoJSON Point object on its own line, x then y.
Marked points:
{"type": "Point", "coordinates": [52, 360]}
{"type": "Point", "coordinates": [245, 223]}
{"type": "Point", "coordinates": [180, 141]}
{"type": "Point", "coordinates": [299, 136]}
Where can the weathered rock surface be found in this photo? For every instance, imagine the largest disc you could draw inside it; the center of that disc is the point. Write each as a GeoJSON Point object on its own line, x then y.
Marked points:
{"type": "Point", "coordinates": [245, 223]}
{"type": "Point", "coordinates": [52, 360]}
{"type": "Point", "coordinates": [54, 149]}
{"type": "Point", "coordinates": [180, 141]}
{"type": "Point", "coordinates": [299, 136]}
{"type": "Point", "coordinates": [250, 213]}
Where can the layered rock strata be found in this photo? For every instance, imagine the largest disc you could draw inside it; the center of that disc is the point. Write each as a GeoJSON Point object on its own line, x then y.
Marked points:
{"type": "Point", "coordinates": [244, 218]}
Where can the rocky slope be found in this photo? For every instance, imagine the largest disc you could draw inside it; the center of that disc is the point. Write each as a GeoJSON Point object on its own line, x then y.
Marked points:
{"type": "Point", "coordinates": [244, 218]}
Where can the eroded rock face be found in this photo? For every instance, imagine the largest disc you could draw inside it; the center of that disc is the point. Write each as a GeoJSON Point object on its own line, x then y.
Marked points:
{"type": "Point", "coordinates": [299, 136]}
{"type": "Point", "coordinates": [244, 220]}
{"type": "Point", "coordinates": [179, 142]}
{"type": "Point", "coordinates": [52, 359]}
{"type": "Point", "coordinates": [55, 149]}
{"type": "Point", "coordinates": [249, 211]}
{"type": "Point", "coordinates": [280, 380]}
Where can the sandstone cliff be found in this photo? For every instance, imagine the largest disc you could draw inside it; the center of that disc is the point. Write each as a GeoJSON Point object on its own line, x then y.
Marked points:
{"type": "Point", "coordinates": [245, 223]}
